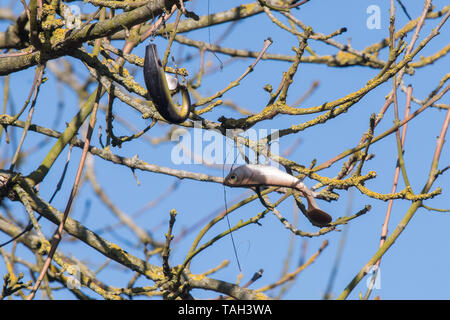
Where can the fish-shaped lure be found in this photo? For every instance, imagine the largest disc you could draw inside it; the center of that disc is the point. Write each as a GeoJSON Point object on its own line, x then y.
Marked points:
{"type": "Point", "coordinates": [254, 175]}
{"type": "Point", "coordinates": [158, 89]}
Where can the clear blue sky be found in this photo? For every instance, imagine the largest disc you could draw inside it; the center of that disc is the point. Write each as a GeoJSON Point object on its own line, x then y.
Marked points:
{"type": "Point", "coordinates": [417, 265]}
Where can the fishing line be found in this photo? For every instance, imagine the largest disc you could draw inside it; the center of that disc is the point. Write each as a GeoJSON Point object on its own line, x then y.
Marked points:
{"type": "Point", "coordinates": [226, 156]}
{"type": "Point", "coordinates": [209, 38]}
{"type": "Point", "coordinates": [226, 208]}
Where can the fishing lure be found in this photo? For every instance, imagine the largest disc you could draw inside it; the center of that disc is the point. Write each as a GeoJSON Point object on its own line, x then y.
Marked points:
{"type": "Point", "coordinates": [158, 89]}
{"type": "Point", "coordinates": [255, 175]}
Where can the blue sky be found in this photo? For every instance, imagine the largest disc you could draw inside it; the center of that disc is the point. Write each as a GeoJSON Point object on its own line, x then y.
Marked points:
{"type": "Point", "coordinates": [416, 266]}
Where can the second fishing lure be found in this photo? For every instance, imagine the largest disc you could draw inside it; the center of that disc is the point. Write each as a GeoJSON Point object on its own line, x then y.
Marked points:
{"type": "Point", "coordinates": [159, 92]}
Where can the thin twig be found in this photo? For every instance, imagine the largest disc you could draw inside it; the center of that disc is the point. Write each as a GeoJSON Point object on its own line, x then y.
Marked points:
{"type": "Point", "coordinates": [58, 233]}
{"type": "Point", "coordinates": [38, 79]}
{"type": "Point", "coordinates": [406, 218]}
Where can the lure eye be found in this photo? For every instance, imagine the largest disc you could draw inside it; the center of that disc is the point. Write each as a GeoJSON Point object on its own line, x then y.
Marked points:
{"type": "Point", "coordinates": [233, 177]}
